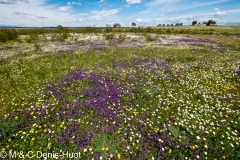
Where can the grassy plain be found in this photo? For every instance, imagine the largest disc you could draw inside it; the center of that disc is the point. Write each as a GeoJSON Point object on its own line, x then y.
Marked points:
{"type": "Point", "coordinates": [131, 93]}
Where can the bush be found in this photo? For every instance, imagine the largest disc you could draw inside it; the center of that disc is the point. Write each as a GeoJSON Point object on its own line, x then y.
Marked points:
{"type": "Point", "coordinates": [32, 38]}
{"type": "Point", "coordinates": [122, 37]}
{"type": "Point", "coordinates": [149, 30]}
{"type": "Point", "coordinates": [37, 47]}
{"type": "Point", "coordinates": [62, 34]}
{"type": "Point", "coordinates": [6, 129]}
{"type": "Point", "coordinates": [150, 38]}
{"type": "Point", "coordinates": [90, 30]}
{"type": "Point", "coordinates": [109, 36]}
{"type": "Point", "coordinates": [8, 35]}
{"type": "Point", "coordinates": [34, 31]}
{"type": "Point", "coordinates": [59, 27]}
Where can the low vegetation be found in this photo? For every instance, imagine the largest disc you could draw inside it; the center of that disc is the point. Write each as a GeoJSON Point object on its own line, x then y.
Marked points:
{"type": "Point", "coordinates": [149, 93]}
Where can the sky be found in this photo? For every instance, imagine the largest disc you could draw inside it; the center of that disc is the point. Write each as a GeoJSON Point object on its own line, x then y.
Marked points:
{"type": "Point", "coordinates": [84, 13]}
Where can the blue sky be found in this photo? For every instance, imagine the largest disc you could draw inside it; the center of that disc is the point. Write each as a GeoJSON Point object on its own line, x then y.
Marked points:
{"type": "Point", "coordinates": [82, 13]}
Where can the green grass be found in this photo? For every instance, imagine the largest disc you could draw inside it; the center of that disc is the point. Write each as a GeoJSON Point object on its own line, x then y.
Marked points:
{"type": "Point", "coordinates": [169, 97]}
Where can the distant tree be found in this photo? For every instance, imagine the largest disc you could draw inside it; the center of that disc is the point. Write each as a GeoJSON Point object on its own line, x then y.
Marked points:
{"type": "Point", "coordinates": [180, 24]}
{"type": "Point", "coordinates": [204, 22]}
{"type": "Point", "coordinates": [194, 22]}
{"type": "Point", "coordinates": [134, 24]}
{"type": "Point", "coordinates": [108, 25]}
{"type": "Point", "coordinates": [159, 25]}
{"type": "Point", "coordinates": [59, 27]}
{"type": "Point", "coordinates": [116, 25]}
{"type": "Point", "coordinates": [177, 24]}
{"type": "Point", "coordinates": [163, 25]}
{"type": "Point", "coordinates": [210, 22]}
{"type": "Point", "coordinates": [167, 24]}
{"type": "Point", "coordinates": [172, 25]}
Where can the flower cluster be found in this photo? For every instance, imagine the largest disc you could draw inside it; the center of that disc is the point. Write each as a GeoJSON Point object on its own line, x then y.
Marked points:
{"type": "Point", "coordinates": [127, 103]}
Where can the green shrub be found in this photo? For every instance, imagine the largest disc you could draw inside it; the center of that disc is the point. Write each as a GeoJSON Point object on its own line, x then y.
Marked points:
{"type": "Point", "coordinates": [6, 129]}
{"type": "Point", "coordinates": [168, 31]}
{"type": "Point", "coordinates": [37, 47]}
{"type": "Point", "coordinates": [62, 34]}
{"type": "Point", "coordinates": [3, 37]}
{"type": "Point", "coordinates": [150, 38]}
{"type": "Point", "coordinates": [32, 38]}
{"type": "Point", "coordinates": [8, 35]}
{"type": "Point", "coordinates": [90, 30]}
{"type": "Point", "coordinates": [35, 31]}
{"type": "Point", "coordinates": [122, 37]}
{"type": "Point", "coordinates": [109, 36]}
{"type": "Point", "coordinates": [149, 30]}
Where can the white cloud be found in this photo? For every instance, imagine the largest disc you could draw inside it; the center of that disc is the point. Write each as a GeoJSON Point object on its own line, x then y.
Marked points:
{"type": "Point", "coordinates": [219, 13]}
{"type": "Point", "coordinates": [105, 13]}
{"type": "Point", "coordinates": [74, 3]}
{"type": "Point", "coordinates": [41, 13]}
{"type": "Point", "coordinates": [133, 1]}
{"type": "Point", "coordinates": [64, 9]}
{"type": "Point", "coordinates": [233, 11]}
{"type": "Point", "coordinates": [17, 13]}
{"type": "Point", "coordinates": [156, 3]}
{"type": "Point", "coordinates": [98, 15]}
{"type": "Point", "coordinates": [41, 17]}
{"type": "Point", "coordinates": [34, 14]}
{"type": "Point", "coordinates": [12, 1]}
{"type": "Point", "coordinates": [101, 1]}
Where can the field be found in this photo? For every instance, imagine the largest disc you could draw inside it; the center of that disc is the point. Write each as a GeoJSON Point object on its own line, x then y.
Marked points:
{"type": "Point", "coordinates": [138, 93]}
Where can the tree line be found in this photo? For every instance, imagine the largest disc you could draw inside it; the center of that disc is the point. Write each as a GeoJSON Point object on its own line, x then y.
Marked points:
{"type": "Point", "coordinates": [208, 23]}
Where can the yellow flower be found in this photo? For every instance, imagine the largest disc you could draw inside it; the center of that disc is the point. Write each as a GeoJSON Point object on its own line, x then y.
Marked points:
{"type": "Point", "coordinates": [45, 130]}
{"type": "Point", "coordinates": [192, 147]}
{"type": "Point", "coordinates": [61, 126]}
{"type": "Point", "coordinates": [106, 149]}
{"type": "Point", "coordinates": [49, 144]}
{"type": "Point", "coordinates": [223, 157]}
{"type": "Point", "coordinates": [103, 148]}
{"type": "Point", "coordinates": [34, 117]}
{"type": "Point", "coordinates": [39, 127]}
{"type": "Point", "coordinates": [170, 151]}
{"type": "Point", "coordinates": [3, 149]}
{"type": "Point", "coordinates": [32, 113]}
{"type": "Point", "coordinates": [9, 140]}
{"type": "Point", "coordinates": [33, 139]}
{"type": "Point", "coordinates": [53, 125]}
{"type": "Point", "coordinates": [118, 155]}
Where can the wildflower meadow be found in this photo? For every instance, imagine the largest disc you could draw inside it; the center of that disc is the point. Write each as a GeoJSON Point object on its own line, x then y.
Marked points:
{"type": "Point", "coordinates": [121, 95]}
